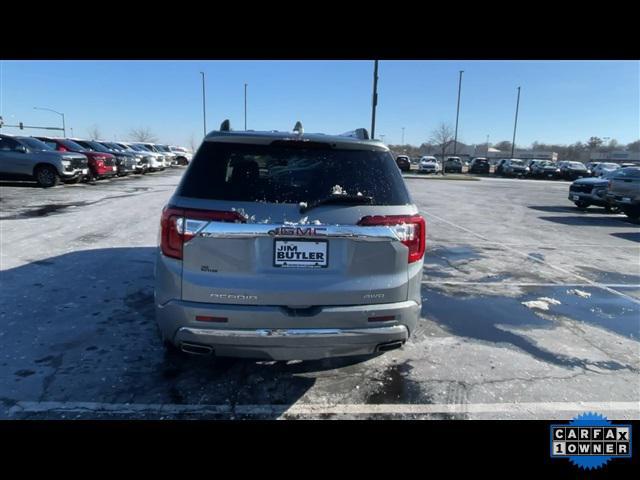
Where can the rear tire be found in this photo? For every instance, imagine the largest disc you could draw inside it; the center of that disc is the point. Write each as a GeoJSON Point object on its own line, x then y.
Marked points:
{"type": "Point", "coordinates": [632, 212]}
{"type": "Point", "coordinates": [46, 176]}
{"type": "Point", "coordinates": [612, 209]}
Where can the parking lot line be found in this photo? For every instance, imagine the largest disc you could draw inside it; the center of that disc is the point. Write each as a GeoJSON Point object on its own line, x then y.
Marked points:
{"type": "Point", "coordinates": [533, 258]}
{"type": "Point", "coordinates": [528, 284]}
{"type": "Point", "coordinates": [631, 408]}
{"type": "Point", "coordinates": [534, 245]}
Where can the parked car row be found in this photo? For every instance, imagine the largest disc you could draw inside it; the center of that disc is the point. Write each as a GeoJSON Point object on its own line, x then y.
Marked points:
{"type": "Point", "coordinates": [50, 160]}
{"type": "Point", "coordinates": [616, 190]}
{"type": "Point", "coordinates": [511, 167]}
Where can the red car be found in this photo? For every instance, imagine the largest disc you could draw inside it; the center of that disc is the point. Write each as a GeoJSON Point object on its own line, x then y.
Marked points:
{"type": "Point", "coordinates": [101, 164]}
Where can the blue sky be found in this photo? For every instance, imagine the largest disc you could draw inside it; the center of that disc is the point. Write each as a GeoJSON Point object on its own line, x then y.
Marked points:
{"type": "Point", "coordinates": [561, 101]}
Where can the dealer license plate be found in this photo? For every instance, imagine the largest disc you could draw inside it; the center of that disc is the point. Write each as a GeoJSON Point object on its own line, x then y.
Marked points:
{"type": "Point", "coordinates": [301, 254]}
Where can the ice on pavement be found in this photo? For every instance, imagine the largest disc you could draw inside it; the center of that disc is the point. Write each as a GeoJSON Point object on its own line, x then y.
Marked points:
{"type": "Point", "coordinates": [580, 293]}
{"type": "Point", "coordinates": [542, 303]}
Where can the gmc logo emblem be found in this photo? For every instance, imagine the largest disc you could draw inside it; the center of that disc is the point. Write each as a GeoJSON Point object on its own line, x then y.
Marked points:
{"type": "Point", "coordinates": [297, 231]}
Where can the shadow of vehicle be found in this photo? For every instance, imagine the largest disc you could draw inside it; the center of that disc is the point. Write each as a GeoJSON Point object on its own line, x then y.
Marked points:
{"type": "Point", "coordinates": [590, 221]}
{"type": "Point", "coordinates": [19, 183]}
{"type": "Point", "coordinates": [80, 327]}
{"type": "Point", "coordinates": [569, 209]}
{"type": "Point", "coordinates": [632, 236]}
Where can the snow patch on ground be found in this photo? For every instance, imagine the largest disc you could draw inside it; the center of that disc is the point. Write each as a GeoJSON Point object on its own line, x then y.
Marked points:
{"type": "Point", "coordinates": [542, 303]}
{"type": "Point", "coordinates": [580, 293]}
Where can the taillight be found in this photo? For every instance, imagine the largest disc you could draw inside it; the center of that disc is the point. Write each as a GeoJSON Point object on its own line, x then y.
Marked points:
{"type": "Point", "coordinates": [178, 226]}
{"type": "Point", "coordinates": [410, 229]}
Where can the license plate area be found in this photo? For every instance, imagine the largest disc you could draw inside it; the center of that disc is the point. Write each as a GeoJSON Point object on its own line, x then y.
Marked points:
{"type": "Point", "coordinates": [290, 253]}
{"type": "Point", "coordinates": [576, 197]}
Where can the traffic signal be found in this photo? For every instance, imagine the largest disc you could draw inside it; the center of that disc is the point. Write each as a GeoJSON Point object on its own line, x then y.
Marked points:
{"type": "Point", "coordinates": [1, 122]}
{"type": "Point", "coordinates": [21, 126]}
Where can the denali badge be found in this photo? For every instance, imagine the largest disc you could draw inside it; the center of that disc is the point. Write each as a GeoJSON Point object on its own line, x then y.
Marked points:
{"type": "Point", "coordinates": [229, 296]}
{"type": "Point", "coordinates": [297, 231]}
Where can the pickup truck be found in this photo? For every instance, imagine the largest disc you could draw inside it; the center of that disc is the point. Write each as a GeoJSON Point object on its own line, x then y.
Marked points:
{"type": "Point", "coordinates": [624, 191]}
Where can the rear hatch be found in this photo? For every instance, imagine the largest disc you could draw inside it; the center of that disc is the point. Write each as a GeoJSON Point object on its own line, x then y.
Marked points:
{"type": "Point", "coordinates": [255, 237]}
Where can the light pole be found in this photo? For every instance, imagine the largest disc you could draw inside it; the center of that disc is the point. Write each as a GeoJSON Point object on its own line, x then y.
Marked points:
{"type": "Point", "coordinates": [515, 125]}
{"type": "Point", "coordinates": [402, 135]}
{"type": "Point", "coordinates": [204, 111]}
{"type": "Point", "coordinates": [64, 129]}
{"type": "Point", "coordinates": [382, 138]}
{"type": "Point", "coordinates": [245, 107]}
{"type": "Point", "coordinates": [455, 140]}
{"type": "Point", "coordinates": [487, 146]}
{"type": "Point", "coordinates": [374, 101]}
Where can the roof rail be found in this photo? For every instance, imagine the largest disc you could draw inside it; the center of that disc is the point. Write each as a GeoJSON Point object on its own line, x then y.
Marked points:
{"type": "Point", "coordinates": [225, 126]}
{"type": "Point", "coordinates": [360, 133]}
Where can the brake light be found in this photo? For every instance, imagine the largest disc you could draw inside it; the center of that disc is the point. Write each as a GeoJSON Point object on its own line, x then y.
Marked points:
{"type": "Point", "coordinates": [178, 226]}
{"type": "Point", "coordinates": [410, 229]}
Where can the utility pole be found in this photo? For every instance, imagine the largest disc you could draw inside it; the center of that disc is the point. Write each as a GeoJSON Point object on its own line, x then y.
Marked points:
{"type": "Point", "coordinates": [515, 125]}
{"type": "Point", "coordinates": [245, 107]}
{"type": "Point", "coordinates": [455, 140]}
{"type": "Point", "coordinates": [375, 99]}
{"type": "Point", "coordinates": [204, 111]}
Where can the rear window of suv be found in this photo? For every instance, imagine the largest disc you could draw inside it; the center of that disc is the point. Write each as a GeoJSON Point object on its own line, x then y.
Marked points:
{"type": "Point", "coordinates": [287, 174]}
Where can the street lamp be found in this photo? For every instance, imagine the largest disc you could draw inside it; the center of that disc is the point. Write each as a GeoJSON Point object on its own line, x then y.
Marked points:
{"type": "Point", "coordinates": [245, 106]}
{"type": "Point", "coordinates": [515, 125]}
{"type": "Point", "coordinates": [374, 101]}
{"type": "Point", "coordinates": [455, 140]}
{"type": "Point", "coordinates": [204, 112]}
{"type": "Point", "coordinates": [64, 130]}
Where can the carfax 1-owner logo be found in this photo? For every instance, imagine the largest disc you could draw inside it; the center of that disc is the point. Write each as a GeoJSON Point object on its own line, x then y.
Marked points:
{"type": "Point", "coordinates": [590, 441]}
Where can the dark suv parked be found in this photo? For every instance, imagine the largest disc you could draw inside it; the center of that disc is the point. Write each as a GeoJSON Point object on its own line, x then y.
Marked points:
{"type": "Point", "coordinates": [403, 163]}
{"type": "Point", "coordinates": [480, 165]}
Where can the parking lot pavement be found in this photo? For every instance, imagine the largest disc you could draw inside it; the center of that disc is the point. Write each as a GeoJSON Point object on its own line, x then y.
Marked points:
{"type": "Point", "coordinates": [78, 338]}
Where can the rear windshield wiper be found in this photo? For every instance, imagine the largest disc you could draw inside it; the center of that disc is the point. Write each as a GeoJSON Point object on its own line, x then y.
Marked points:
{"type": "Point", "coordinates": [335, 199]}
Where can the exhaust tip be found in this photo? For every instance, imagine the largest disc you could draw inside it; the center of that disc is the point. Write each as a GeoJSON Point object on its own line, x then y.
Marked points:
{"type": "Point", "coordinates": [385, 347]}
{"type": "Point", "coordinates": [196, 349]}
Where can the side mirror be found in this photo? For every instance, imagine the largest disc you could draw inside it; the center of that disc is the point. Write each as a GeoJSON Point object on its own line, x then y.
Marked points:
{"type": "Point", "coordinates": [21, 149]}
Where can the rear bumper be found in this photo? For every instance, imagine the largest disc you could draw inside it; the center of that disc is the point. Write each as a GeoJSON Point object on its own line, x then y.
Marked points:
{"type": "Point", "coordinates": [590, 198]}
{"type": "Point", "coordinates": [629, 200]}
{"type": "Point", "coordinates": [276, 333]}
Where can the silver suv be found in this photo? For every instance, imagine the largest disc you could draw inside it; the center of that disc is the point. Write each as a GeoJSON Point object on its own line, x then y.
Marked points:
{"type": "Point", "coordinates": [289, 246]}
{"type": "Point", "coordinates": [29, 158]}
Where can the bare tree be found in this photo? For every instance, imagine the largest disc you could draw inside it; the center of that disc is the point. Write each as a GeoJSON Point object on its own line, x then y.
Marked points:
{"type": "Point", "coordinates": [505, 146]}
{"type": "Point", "coordinates": [442, 137]}
{"type": "Point", "coordinates": [634, 146]}
{"type": "Point", "coordinates": [142, 135]}
{"type": "Point", "coordinates": [94, 133]}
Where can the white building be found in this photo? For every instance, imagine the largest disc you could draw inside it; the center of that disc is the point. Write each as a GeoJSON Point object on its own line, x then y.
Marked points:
{"type": "Point", "coordinates": [620, 156]}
